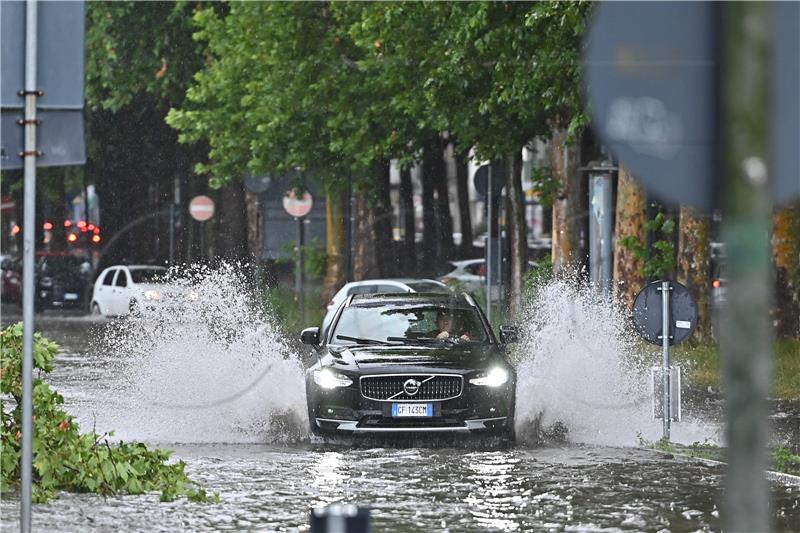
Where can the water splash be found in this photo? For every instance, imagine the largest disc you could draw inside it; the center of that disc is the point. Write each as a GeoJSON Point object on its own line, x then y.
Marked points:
{"type": "Point", "coordinates": [583, 375]}
{"type": "Point", "coordinates": [205, 363]}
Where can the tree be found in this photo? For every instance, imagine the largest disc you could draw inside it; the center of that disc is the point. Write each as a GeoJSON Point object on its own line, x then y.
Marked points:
{"type": "Point", "coordinates": [786, 255]}
{"type": "Point", "coordinates": [140, 60]}
{"type": "Point", "coordinates": [630, 225]}
{"type": "Point", "coordinates": [694, 265]}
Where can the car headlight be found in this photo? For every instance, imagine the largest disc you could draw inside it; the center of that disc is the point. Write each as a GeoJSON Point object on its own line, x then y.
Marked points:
{"type": "Point", "coordinates": [328, 379]}
{"type": "Point", "coordinates": [152, 295]}
{"type": "Point", "coordinates": [193, 295]}
{"type": "Point", "coordinates": [493, 378]}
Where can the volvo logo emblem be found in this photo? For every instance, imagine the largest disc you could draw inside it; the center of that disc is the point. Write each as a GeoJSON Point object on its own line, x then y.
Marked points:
{"type": "Point", "coordinates": [411, 386]}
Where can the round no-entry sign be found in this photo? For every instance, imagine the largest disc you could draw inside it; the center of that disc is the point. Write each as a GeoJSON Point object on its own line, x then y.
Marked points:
{"type": "Point", "coordinates": [201, 208]}
{"type": "Point", "coordinates": [298, 207]}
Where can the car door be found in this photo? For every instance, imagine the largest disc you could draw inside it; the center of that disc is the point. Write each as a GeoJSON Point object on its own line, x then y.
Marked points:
{"type": "Point", "coordinates": [122, 297]}
{"type": "Point", "coordinates": [104, 291]}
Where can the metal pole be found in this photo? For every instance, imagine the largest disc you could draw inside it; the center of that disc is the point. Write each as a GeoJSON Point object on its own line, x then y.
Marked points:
{"type": "Point", "coordinates": [171, 233]}
{"type": "Point", "coordinates": [665, 370]}
{"type": "Point", "coordinates": [489, 227]}
{"type": "Point", "coordinates": [746, 331]}
{"type": "Point", "coordinates": [298, 287]}
{"type": "Point", "coordinates": [28, 274]}
{"type": "Point", "coordinates": [600, 231]}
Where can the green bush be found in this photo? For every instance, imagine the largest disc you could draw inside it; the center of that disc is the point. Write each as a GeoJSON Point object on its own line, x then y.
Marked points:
{"type": "Point", "coordinates": [63, 457]}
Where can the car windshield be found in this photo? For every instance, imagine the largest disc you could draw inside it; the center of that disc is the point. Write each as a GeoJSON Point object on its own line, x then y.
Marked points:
{"type": "Point", "coordinates": [371, 324]}
{"type": "Point", "coordinates": [63, 266]}
{"type": "Point", "coordinates": [148, 275]}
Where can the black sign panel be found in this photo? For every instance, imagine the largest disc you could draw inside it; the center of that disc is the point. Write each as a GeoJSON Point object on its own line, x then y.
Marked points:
{"type": "Point", "coordinates": [647, 313]}
{"type": "Point", "coordinates": [481, 180]}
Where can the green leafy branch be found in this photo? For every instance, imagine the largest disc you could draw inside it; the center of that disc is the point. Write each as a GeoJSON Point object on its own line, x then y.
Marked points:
{"type": "Point", "coordinates": [63, 457]}
{"type": "Point", "coordinates": [659, 261]}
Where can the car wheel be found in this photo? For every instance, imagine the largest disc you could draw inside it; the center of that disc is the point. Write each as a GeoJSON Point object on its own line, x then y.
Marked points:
{"type": "Point", "coordinates": [96, 309]}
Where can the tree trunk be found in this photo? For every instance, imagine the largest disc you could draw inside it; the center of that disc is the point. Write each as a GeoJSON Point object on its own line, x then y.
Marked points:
{"type": "Point", "coordinates": [694, 265]}
{"type": "Point", "coordinates": [630, 221]}
{"type": "Point", "coordinates": [786, 253]}
{"type": "Point", "coordinates": [409, 256]}
{"type": "Point", "coordinates": [364, 263]}
{"type": "Point", "coordinates": [566, 207]}
{"type": "Point", "coordinates": [253, 226]}
{"type": "Point", "coordinates": [444, 217]}
{"type": "Point", "coordinates": [519, 240]}
{"type": "Point", "coordinates": [462, 182]}
{"type": "Point", "coordinates": [430, 154]}
{"type": "Point", "coordinates": [231, 238]}
{"type": "Point", "coordinates": [335, 242]}
{"type": "Point", "coordinates": [384, 251]}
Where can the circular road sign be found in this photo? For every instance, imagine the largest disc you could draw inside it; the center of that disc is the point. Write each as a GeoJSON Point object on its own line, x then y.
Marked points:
{"type": "Point", "coordinates": [298, 207]}
{"type": "Point", "coordinates": [201, 208]}
{"type": "Point", "coordinates": [647, 313]}
{"type": "Point", "coordinates": [481, 181]}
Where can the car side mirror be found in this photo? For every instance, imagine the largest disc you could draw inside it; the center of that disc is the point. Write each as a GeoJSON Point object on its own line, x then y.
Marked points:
{"type": "Point", "coordinates": [310, 336]}
{"type": "Point", "coordinates": [509, 334]}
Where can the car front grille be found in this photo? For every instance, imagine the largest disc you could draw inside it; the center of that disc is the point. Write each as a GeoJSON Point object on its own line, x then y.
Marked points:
{"type": "Point", "coordinates": [434, 387]}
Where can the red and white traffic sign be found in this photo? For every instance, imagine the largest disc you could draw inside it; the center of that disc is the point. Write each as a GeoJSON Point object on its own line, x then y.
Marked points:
{"type": "Point", "coordinates": [201, 208]}
{"type": "Point", "coordinates": [298, 207]}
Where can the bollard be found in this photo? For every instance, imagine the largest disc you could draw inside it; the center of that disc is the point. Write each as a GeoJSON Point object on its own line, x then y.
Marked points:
{"type": "Point", "coordinates": [340, 518]}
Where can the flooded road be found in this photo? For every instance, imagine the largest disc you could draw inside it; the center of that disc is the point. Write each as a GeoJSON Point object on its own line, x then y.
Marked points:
{"type": "Point", "coordinates": [269, 481]}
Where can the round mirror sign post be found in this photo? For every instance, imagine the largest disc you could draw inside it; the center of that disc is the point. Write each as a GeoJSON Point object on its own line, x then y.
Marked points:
{"type": "Point", "coordinates": [665, 313]}
{"type": "Point", "coordinates": [299, 208]}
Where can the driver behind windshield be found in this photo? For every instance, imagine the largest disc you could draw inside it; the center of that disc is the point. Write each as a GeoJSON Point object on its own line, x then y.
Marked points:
{"type": "Point", "coordinates": [450, 325]}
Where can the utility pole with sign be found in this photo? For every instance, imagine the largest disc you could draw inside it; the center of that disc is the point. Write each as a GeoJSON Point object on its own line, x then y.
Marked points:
{"type": "Point", "coordinates": [687, 96]}
{"type": "Point", "coordinates": [299, 207]}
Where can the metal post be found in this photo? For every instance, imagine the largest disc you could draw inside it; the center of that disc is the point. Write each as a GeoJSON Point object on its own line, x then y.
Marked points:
{"type": "Point", "coordinates": [746, 331]}
{"type": "Point", "coordinates": [488, 263]}
{"type": "Point", "coordinates": [298, 282]}
{"type": "Point", "coordinates": [171, 233]}
{"type": "Point", "coordinates": [665, 370]}
{"type": "Point", "coordinates": [28, 274]}
{"type": "Point", "coordinates": [600, 231]}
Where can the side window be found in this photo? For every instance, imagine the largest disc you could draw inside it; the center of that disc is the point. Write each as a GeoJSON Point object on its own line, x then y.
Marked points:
{"type": "Point", "coordinates": [477, 269]}
{"type": "Point", "coordinates": [109, 279]}
{"type": "Point", "coordinates": [122, 279]}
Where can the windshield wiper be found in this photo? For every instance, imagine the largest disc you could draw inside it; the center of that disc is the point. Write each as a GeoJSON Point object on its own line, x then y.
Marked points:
{"type": "Point", "coordinates": [359, 340]}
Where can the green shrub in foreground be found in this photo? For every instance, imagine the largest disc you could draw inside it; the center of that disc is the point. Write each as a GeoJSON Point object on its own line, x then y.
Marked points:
{"type": "Point", "coordinates": [63, 457]}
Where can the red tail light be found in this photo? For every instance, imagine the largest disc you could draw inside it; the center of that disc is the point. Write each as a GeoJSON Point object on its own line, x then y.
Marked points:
{"type": "Point", "coordinates": [716, 284]}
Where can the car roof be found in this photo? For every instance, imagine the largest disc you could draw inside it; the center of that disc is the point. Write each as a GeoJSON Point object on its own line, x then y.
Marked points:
{"type": "Point", "coordinates": [378, 281]}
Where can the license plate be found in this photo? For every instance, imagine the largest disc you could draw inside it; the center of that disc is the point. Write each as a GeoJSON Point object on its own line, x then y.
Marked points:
{"type": "Point", "coordinates": [70, 296]}
{"type": "Point", "coordinates": [412, 409]}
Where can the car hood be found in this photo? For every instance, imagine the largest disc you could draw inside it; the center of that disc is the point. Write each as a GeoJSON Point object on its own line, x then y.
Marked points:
{"type": "Point", "coordinates": [388, 359]}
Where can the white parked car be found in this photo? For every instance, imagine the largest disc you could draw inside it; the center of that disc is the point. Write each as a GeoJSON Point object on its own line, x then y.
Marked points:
{"type": "Point", "coordinates": [120, 289]}
{"type": "Point", "coordinates": [380, 286]}
{"type": "Point", "coordinates": [470, 274]}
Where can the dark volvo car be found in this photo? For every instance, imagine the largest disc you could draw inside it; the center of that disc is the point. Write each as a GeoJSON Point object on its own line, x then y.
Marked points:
{"type": "Point", "coordinates": [410, 363]}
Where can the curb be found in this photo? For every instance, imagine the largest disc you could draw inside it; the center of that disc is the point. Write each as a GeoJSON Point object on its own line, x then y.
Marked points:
{"type": "Point", "coordinates": [780, 477]}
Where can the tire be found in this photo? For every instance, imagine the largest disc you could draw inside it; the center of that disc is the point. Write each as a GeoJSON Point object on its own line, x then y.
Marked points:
{"type": "Point", "coordinates": [95, 310]}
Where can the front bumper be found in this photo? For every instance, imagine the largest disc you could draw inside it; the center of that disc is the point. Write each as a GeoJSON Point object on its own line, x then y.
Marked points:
{"type": "Point", "coordinates": [467, 426]}
{"type": "Point", "coordinates": [346, 411]}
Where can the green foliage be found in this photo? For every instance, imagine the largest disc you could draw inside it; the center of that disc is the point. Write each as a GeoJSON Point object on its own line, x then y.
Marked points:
{"type": "Point", "coordinates": [134, 48]}
{"type": "Point", "coordinates": [283, 304]}
{"type": "Point", "coordinates": [547, 187]}
{"type": "Point", "coordinates": [63, 457]}
{"type": "Point", "coordinates": [538, 277]}
{"type": "Point", "coordinates": [659, 261]}
{"type": "Point", "coordinates": [314, 258]}
{"type": "Point", "coordinates": [784, 460]}
{"type": "Point", "coordinates": [701, 364]}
